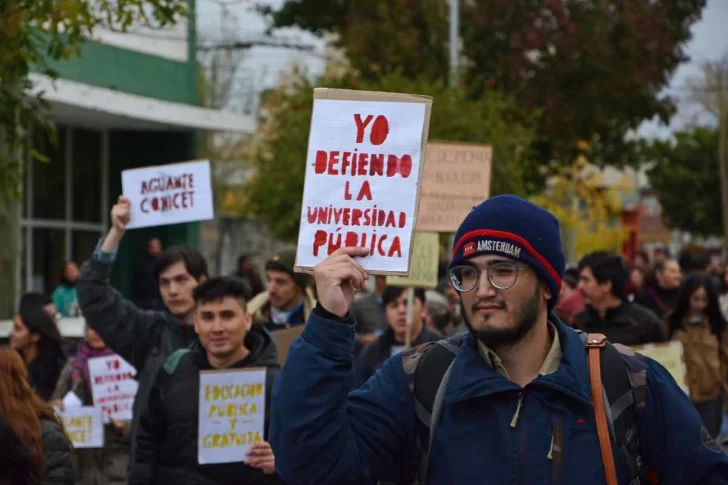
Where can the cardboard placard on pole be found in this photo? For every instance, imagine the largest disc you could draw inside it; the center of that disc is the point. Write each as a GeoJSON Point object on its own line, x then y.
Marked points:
{"type": "Point", "coordinates": [410, 310]}
{"type": "Point", "coordinates": [671, 355]}
{"type": "Point", "coordinates": [283, 340]}
{"type": "Point", "coordinates": [423, 264]}
{"type": "Point", "coordinates": [456, 178]}
{"type": "Point", "coordinates": [366, 156]}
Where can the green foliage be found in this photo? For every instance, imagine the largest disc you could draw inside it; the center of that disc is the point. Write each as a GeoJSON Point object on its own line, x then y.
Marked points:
{"type": "Point", "coordinates": [685, 178]}
{"type": "Point", "coordinates": [593, 68]}
{"type": "Point", "coordinates": [275, 193]}
{"type": "Point", "coordinates": [33, 32]}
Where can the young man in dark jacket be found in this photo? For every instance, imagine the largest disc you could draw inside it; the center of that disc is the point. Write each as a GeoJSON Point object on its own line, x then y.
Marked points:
{"type": "Point", "coordinates": [603, 283]}
{"type": "Point", "coordinates": [517, 406]}
{"type": "Point", "coordinates": [392, 341]}
{"type": "Point", "coordinates": [143, 338]}
{"type": "Point", "coordinates": [167, 442]}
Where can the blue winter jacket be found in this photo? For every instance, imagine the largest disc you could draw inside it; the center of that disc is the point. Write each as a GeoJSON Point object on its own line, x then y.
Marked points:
{"type": "Point", "coordinates": [323, 434]}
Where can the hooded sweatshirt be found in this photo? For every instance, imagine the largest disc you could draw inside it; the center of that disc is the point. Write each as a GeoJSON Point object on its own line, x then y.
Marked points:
{"type": "Point", "coordinates": [166, 443]}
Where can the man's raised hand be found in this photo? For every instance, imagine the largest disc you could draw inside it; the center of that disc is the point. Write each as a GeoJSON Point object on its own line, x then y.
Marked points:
{"type": "Point", "coordinates": [338, 277]}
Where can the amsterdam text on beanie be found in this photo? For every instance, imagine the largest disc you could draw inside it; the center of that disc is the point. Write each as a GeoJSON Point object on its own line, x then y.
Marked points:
{"type": "Point", "coordinates": [516, 228]}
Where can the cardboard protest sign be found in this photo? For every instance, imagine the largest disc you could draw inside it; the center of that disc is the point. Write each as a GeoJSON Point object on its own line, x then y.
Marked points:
{"type": "Point", "coordinates": [456, 178]}
{"type": "Point", "coordinates": [423, 265]}
{"type": "Point", "coordinates": [366, 153]}
{"type": "Point", "coordinates": [113, 386]}
{"type": "Point", "coordinates": [84, 426]}
{"type": "Point", "coordinates": [671, 356]}
{"type": "Point", "coordinates": [168, 194]}
{"type": "Point", "coordinates": [283, 340]}
{"type": "Point", "coordinates": [232, 414]}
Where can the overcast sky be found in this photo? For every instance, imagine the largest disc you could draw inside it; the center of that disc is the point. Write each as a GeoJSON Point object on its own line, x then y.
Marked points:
{"type": "Point", "coordinates": [261, 67]}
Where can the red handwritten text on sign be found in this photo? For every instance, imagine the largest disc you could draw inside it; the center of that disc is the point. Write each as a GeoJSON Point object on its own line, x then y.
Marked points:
{"type": "Point", "coordinates": [163, 194]}
{"type": "Point", "coordinates": [362, 177]}
{"type": "Point", "coordinates": [113, 386]}
{"type": "Point", "coordinates": [360, 164]}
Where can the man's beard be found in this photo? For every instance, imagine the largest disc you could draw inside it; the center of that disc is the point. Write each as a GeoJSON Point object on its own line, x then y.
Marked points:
{"type": "Point", "coordinates": [502, 336]}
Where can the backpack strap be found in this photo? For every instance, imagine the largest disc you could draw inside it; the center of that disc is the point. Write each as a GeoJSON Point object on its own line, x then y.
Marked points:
{"type": "Point", "coordinates": [594, 343]}
{"type": "Point", "coordinates": [430, 381]}
{"type": "Point", "coordinates": [623, 382]}
{"type": "Point", "coordinates": [170, 365]}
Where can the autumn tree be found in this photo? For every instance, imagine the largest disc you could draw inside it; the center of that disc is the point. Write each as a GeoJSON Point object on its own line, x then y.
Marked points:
{"type": "Point", "coordinates": [33, 33]}
{"type": "Point", "coordinates": [593, 68]}
{"type": "Point", "coordinates": [587, 208]}
{"type": "Point", "coordinates": [275, 192]}
{"type": "Point", "coordinates": [685, 177]}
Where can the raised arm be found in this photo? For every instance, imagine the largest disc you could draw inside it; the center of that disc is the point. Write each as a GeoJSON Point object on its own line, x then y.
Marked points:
{"type": "Point", "coordinates": [124, 328]}
{"type": "Point", "coordinates": [322, 433]}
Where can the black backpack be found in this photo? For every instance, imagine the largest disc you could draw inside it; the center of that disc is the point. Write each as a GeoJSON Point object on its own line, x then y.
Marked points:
{"type": "Point", "coordinates": [624, 388]}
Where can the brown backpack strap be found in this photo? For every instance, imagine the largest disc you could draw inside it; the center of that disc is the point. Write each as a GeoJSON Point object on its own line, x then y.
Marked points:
{"type": "Point", "coordinates": [594, 343]}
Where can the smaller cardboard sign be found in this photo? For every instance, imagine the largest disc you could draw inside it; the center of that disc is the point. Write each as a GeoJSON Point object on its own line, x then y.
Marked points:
{"type": "Point", "coordinates": [168, 194]}
{"type": "Point", "coordinates": [671, 356]}
{"type": "Point", "coordinates": [232, 414]}
{"type": "Point", "coordinates": [456, 178]}
{"type": "Point", "coordinates": [84, 426]}
{"type": "Point", "coordinates": [366, 153]}
{"type": "Point", "coordinates": [423, 266]}
{"type": "Point", "coordinates": [284, 339]}
{"type": "Point", "coordinates": [113, 386]}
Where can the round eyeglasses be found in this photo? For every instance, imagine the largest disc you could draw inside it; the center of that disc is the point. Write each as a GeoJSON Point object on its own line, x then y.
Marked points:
{"type": "Point", "coordinates": [502, 275]}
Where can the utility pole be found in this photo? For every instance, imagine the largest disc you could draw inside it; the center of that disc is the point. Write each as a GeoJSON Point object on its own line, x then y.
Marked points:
{"type": "Point", "coordinates": [454, 43]}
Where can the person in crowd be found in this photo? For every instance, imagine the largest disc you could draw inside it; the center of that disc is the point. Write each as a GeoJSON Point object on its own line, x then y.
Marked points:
{"type": "Point", "coordinates": [36, 299]}
{"type": "Point", "coordinates": [660, 254]}
{"type": "Point", "coordinates": [724, 294]}
{"type": "Point", "coordinates": [36, 338]}
{"type": "Point", "coordinates": [34, 422]}
{"type": "Point", "coordinates": [368, 311]}
{"type": "Point", "coordinates": [143, 338]}
{"type": "Point", "coordinates": [698, 323]}
{"type": "Point", "coordinates": [454, 307]}
{"type": "Point", "coordinates": [17, 464]}
{"type": "Point", "coordinates": [661, 296]}
{"type": "Point", "coordinates": [167, 442]}
{"type": "Point", "coordinates": [249, 273]}
{"type": "Point", "coordinates": [439, 318]}
{"type": "Point", "coordinates": [145, 287]}
{"type": "Point", "coordinates": [571, 301]}
{"type": "Point", "coordinates": [286, 302]}
{"type": "Point", "coordinates": [641, 260]}
{"type": "Point", "coordinates": [95, 466]}
{"type": "Point", "coordinates": [394, 338]}
{"type": "Point", "coordinates": [603, 281]}
{"type": "Point", "coordinates": [637, 282]}
{"type": "Point", "coordinates": [65, 296]}
{"type": "Point", "coordinates": [515, 404]}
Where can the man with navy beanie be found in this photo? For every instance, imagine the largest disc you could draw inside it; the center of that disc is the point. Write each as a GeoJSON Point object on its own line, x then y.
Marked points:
{"type": "Point", "coordinates": [508, 402]}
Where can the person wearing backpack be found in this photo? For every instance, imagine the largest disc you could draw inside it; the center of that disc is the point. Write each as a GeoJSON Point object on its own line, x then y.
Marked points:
{"type": "Point", "coordinates": [519, 399]}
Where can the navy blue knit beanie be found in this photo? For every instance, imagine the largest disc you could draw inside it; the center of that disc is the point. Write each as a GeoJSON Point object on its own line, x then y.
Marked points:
{"type": "Point", "coordinates": [518, 229]}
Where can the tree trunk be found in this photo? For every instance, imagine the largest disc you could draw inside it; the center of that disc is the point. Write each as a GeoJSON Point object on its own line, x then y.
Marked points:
{"type": "Point", "coordinates": [10, 246]}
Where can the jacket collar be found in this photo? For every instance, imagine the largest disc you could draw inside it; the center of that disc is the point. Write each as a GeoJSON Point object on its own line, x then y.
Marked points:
{"type": "Point", "coordinates": [471, 376]}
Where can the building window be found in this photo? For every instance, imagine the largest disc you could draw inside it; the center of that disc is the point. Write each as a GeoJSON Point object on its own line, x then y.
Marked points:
{"type": "Point", "coordinates": [65, 205]}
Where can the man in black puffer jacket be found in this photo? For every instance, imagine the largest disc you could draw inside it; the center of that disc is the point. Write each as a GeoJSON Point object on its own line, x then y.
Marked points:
{"type": "Point", "coordinates": [141, 337]}
{"type": "Point", "coordinates": [166, 450]}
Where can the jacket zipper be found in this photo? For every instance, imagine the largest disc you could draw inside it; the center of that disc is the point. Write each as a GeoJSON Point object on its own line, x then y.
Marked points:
{"type": "Point", "coordinates": [514, 421]}
{"type": "Point", "coordinates": [521, 433]}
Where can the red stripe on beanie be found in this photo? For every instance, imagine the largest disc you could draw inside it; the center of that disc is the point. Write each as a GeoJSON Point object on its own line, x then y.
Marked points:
{"type": "Point", "coordinates": [513, 237]}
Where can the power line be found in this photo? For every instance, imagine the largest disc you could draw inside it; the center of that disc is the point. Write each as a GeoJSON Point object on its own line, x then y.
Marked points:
{"type": "Point", "coordinates": [261, 42]}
